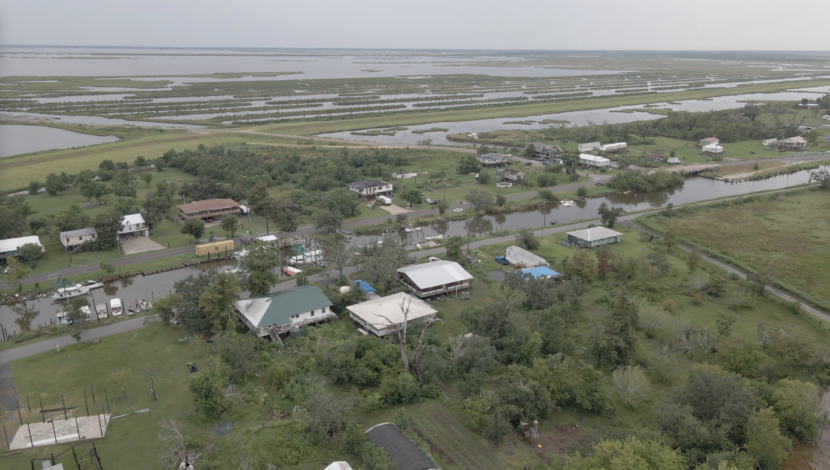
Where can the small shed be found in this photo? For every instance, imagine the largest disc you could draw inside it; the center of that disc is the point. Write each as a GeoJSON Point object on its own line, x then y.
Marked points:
{"type": "Point", "coordinates": [518, 255]}
{"type": "Point", "coordinates": [541, 272]}
{"type": "Point", "coordinates": [593, 160]}
{"type": "Point", "coordinates": [215, 248]}
{"type": "Point", "coordinates": [594, 237]}
{"type": "Point", "coordinates": [401, 449]}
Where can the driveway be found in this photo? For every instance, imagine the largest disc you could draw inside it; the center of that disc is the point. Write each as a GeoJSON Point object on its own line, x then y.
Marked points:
{"type": "Point", "coordinates": [395, 210]}
{"type": "Point", "coordinates": [140, 245]}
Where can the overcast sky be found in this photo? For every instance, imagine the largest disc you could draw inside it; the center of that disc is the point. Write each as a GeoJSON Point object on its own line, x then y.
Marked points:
{"type": "Point", "coordinates": [421, 24]}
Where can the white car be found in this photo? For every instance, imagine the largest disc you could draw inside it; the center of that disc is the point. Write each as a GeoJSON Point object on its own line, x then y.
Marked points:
{"type": "Point", "coordinates": [458, 209]}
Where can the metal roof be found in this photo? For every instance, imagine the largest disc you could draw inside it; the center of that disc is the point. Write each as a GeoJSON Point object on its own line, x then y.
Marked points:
{"type": "Point", "coordinates": [540, 271]}
{"type": "Point", "coordinates": [368, 184]}
{"type": "Point", "coordinates": [593, 158]}
{"type": "Point", "coordinates": [132, 219]}
{"type": "Point", "coordinates": [208, 205]}
{"type": "Point", "coordinates": [435, 273]}
{"type": "Point", "coordinates": [13, 244]}
{"type": "Point", "coordinates": [339, 466]}
{"type": "Point", "coordinates": [79, 232]}
{"type": "Point", "coordinates": [594, 233]}
{"type": "Point", "coordinates": [401, 449]}
{"type": "Point", "coordinates": [278, 307]}
{"type": "Point", "coordinates": [386, 311]}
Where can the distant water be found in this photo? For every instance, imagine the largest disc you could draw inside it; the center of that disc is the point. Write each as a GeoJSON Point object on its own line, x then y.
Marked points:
{"type": "Point", "coordinates": [18, 139]}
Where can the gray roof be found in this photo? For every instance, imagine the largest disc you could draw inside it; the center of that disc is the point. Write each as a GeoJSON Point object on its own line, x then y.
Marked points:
{"type": "Point", "coordinates": [79, 232]}
{"type": "Point", "coordinates": [594, 233]}
{"type": "Point", "coordinates": [401, 449]}
{"type": "Point", "coordinates": [368, 184]}
{"type": "Point", "coordinates": [435, 273]}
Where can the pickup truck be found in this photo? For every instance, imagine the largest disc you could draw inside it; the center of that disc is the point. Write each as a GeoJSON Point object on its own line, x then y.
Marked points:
{"type": "Point", "coordinates": [501, 260]}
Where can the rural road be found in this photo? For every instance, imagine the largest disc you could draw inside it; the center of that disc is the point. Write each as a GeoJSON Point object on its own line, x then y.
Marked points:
{"type": "Point", "coordinates": [306, 230]}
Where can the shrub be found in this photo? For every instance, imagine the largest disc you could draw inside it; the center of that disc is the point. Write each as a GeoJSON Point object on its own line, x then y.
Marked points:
{"type": "Point", "coordinates": [668, 305]}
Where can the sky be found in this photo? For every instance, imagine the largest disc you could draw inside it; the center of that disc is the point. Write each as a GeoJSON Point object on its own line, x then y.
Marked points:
{"type": "Point", "coordinates": [420, 24]}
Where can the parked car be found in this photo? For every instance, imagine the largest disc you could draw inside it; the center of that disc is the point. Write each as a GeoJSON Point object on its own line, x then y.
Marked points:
{"type": "Point", "coordinates": [431, 202]}
{"type": "Point", "coordinates": [501, 260]}
{"type": "Point", "coordinates": [528, 163]}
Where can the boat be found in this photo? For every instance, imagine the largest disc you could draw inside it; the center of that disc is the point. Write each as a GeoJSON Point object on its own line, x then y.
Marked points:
{"type": "Point", "coordinates": [131, 310]}
{"type": "Point", "coordinates": [101, 309]}
{"type": "Point", "coordinates": [85, 309]}
{"type": "Point", "coordinates": [116, 308]}
{"type": "Point", "coordinates": [63, 317]}
{"type": "Point", "coordinates": [145, 305]}
{"type": "Point", "coordinates": [626, 192]}
{"type": "Point", "coordinates": [411, 229]}
{"type": "Point", "coordinates": [458, 209]}
{"type": "Point", "coordinates": [69, 292]}
{"type": "Point", "coordinates": [93, 284]}
{"type": "Point", "coordinates": [289, 271]}
{"type": "Point", "coordinates": [436, 237]}
{"type": "Point", "coordinates": [567, 203]}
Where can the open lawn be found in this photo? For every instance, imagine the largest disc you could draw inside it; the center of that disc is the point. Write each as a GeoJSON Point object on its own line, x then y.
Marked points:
{"type": "Point", "coordinates": [787, 236]}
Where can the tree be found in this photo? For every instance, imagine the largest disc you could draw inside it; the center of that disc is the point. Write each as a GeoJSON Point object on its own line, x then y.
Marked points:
{"type": "Point", "coordinates": [18, 271]}
{"type": "Point", "coordinates": [260, 263]}
{"type": "Point", "coordinates": [12, 222]}
{"type": "Point", "coordinates": [208, 398]}
{"type": "Point", "coordinates": [241, 353]}
{"type": "Point", "coordinates": [147, 177]}
{"type": "Point", "coordinates": [329, 221]}
{"type": "Point", "coordinates": [75, 314]}
{"type": "Point", "coordinates": [25, 315]}
{"type": "Point", "coordinates": [527, 239]}
{"type": "Point", "coordinates": [165, 307]}
{"type": "Point", "coordinates": [582, 192]}
{"type": "Point", "coordinates": [670, 239]}
{"type": "Point", "coordinates": [380, 262]}
{"type": "Point", "coordinates": [125, 205]}
{"type": "Point", "coordinates": [724, 322]}
{"type": "Point", "coordinates": [530, 151]}
{"type": "Point", "coordinates": [107, 267]}
{"type": "Point", "coordinates": [216, 300]}
{"type": "Point", "coordinates": [501, 200]}
{"type": "Point", "coordinates": [54, 184]}
{"type": "Point", "coordinates": [609, 215]}
{"type": "Point", "coordinates": [119, 381]}
{"type": "Point", "coordinates": [633, 454]}
{"type": "Point", "coordinates": [467, 164]}
{"type": "Point", "coordinates": [230, 224]}
{"type": "Point", "coordinates": [480, 199]}
{"type": "Point", "coordinates": [752, 111]}
{"type": "Point", "coordinates": [95, 189]}
{"type": "Point", "coordinates": [108, 224]}
{"type": "Point", "coordinates": [693, 261]}
{"type": "Point", "coordinates": [411, 195]}
{"type": "Point", "coordinates": [798, 406]}
{"type": "Point", "coordinates": [195, 228]}
{"type": "Point", "coordinates": [400, 329]}
{"type": "Point", "coordinates": [31, 252]}
{"type": "Point", "coordinates": [760, 278]}
{"type": "Point", "coordinates": [336, 252]}
{"type": "Point", "coordinates": [764, 441]}
{"type": "Point", "coordinates": [453, 245]}
{"type": "Point", "coordinates": [107, 165]}
{"type": "Point", "coordinates": [484, 177]}
{"type": "Point", "coordinates": [176, 451]}
{"type": "Point", "coordinates": [442, 206]}
{"type": "Point", "coordinates": [631, 383]}
{"type": "Point", "coordinates": [286, 221]}
{"type": "Point", "coordinates": [34, 187]}
{"type": "Point", "coordinates": [582, 264]}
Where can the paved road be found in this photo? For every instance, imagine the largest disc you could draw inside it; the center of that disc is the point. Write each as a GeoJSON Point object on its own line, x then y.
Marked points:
{"type": "Point", "coordinates": [63, 341]}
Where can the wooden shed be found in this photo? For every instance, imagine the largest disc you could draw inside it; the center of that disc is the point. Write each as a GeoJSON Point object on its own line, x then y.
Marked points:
{"type": "Point", "coordinates": [215, 248]}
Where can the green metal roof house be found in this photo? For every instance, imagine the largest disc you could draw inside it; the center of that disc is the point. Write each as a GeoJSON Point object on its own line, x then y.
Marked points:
{"type": "Point", "coordinates": [276, 313]}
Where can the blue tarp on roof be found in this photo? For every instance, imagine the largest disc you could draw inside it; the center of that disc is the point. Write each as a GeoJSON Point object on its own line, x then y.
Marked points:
{"type": "Point", "coordinates": [540, 271]}
{"type": "Point", "coordinates": [363, 285]}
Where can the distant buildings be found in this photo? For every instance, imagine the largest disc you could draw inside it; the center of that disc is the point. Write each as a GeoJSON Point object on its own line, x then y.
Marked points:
{"type": "Point", "coordinates": [275, 314]}
{"type": "Point", "coordinates": [209, 209]}
{"type": "Point", "coordinates": [11, 246]}
{"type": "Point", "coordinates": [594, 237]}
{"type": "Point", "coordinates": [769, 143]}
{"type": "Point", "coordinates": [405, 175]}
{"type": "Point", "coordinates": [588, 147]}
{"type": "Point", "coordinates": [712, 149]}
{"type": "Point", "coordinates": [614, 148]}
{"type": "Point", "coordinates": [514, 176]}
{"type": "Point", "coordinates": [655, 157]}
{"type": "Point", "coordinates": [792, 144]}
{"type": "Point", "coordinates": [546, 152]}
{"type": "Point", "coordinates": [74, 238]}
{"type": "Point", "coordinates": [434, 278]}
{"type": "Point", "coordinates": [587, 159]}
{"type": "Point", "coordinates": [708, 141]}
{"type": "Point", "coordinates": [371, 188]}
{"type": "Point", "coordinates": [493, 160]}
{"type": "Point", "coordinates": [133, 226]}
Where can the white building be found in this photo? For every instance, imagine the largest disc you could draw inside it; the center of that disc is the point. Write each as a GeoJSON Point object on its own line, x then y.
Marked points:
{"type": "Point", "coordinates": [434, 278]}
{"type": "Point", "coordinates": [594, 237]}
{"type": "Point", "coordinates": [339, 466]}
{"type": "Point", "coordinates": [826, 117]}
{"type": "Point", "coordinates": [712, 149]}
{"type": "Point", "coordinates": [385, 315]}
{"type": "Point", "coordinates": [405, 174]}
{"type": "Point", "coordinates": [593, 160]}
{"type": "Point", "coordinates": [518, 255]}
{"type": "Point", "coordinates": [769, 143]}
{"type": "Point", "coordinates": [371, 188]}
{"type": "Point", "coordinates": [589, 146]}
{"type": "Point", "coordinates": [275, 314]}
{"type": "Point", "coordinates": [11, 246]}
{"type": "Point", "coordinates": [616, 147]}
{"type": "Point", "coordinates": [133, 226]}
{"type": "Point", "coordinates": [73, 238]}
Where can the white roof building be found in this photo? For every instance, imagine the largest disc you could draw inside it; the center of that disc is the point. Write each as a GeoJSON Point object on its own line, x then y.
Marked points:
{"type": "Point", "coordinates": [384, 315]}
{"type": "Point", "coordinates": [435, 277]}
{"type": "Point", "coordinates": [11, 246]}
{"type": "Point", "coordinates": [339, 466]}
{"type": "Point", "coordinates": [616, 147]}
{"type": "Point", "coordinates": [589, 146]}
{"type": "Point", "coordinates": [518, 255]}
{"type": "Point", "coordinates": [594, 237]}
{"type": "Point", "coordinates": [593, 160]}
{"type": "Point", "coordinates": [712, 148]}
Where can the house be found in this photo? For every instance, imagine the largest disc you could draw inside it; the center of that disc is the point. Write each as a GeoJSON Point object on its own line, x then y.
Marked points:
{"type": "Point", "coordinates": [593, 237]}
{"type": "Point", "coordinates": [592, 160]}
{"type": "Point", "coordinates": [384, 316]}
{"type": "Point", "coordinates": [401, 449]}
{"type": "Point", "coordinates": [276, 313]}
{"type": "Point", "coordinates": [808, 105]}
{"type": "Point", "coordinates": [712, 149]}
{"type": "Point", "coordinates": [73, 238]}
{"type": "Point", "coordinates": [613, 148]}
{"type": "Point", "coordinates": [769, 143]}
{"type": "Point", "coordinates": [826, 117]}
{"type": "Point", "coordinates": [371, 188]}
{"type": "Point", "coordinates": [339, 466]}
{"type": "Point", "coordinates": [655, 157]}
{"type": "Point", "coordinates": [546, 152]}
{"type": "Point", "coordinates": [514, 176]}
{"type": "Point", "coordinates": [518, 255]}
{"type": "Point", "coordinates": [404, 175]}
{"type": "Point", "coordinates": [433, 278]}
{"type": "Point", "coordinates": [11, 246]}
{"type": "Point", "coordinates": [541, 272]}
{"type": "Point", "coordinates": [208, 209]}
{"type": "Point", "coordinates": [708, 141]}
{"type": "Point", "coordinates": [493, 160]}
{"type": "Point", "coordinates": [792, 144]}
{"type": "Point", "coordinates": [589, 146]}
{"type": "Point", "coordinates": [673, 160]}
{"type": "Point", "coordinates": [133, 226]}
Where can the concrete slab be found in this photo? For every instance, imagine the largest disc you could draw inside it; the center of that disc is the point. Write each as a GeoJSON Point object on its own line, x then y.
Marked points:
{"type": "Point", "coordinates": [64, 430]}
{"type": "Point", "coordinates": [395, 210]}
{"type": "Point", "coordinates": [140, 245]}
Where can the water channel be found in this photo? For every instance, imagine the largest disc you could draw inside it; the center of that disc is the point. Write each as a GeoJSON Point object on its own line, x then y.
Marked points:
{"type": "Point", "coordinates": [20, 139]}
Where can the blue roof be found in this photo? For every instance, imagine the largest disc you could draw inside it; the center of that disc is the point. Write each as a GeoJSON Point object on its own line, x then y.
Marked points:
{"type": "Point", "coordinates": [363, 285]}
{"type": "Point", "coordinates": [540, 271]}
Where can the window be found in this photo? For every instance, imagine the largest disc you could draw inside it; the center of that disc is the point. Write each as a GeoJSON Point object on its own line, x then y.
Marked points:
{"type": "Point", "coordinates": [312, 313]}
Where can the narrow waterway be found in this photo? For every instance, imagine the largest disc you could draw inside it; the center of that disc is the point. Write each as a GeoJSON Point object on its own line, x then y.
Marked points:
{"type": "Point", "coordinates": [134, 289]}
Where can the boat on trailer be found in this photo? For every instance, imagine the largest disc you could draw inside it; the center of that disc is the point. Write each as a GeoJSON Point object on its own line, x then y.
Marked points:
{"type": "Point", "coordinates": [116, 308]}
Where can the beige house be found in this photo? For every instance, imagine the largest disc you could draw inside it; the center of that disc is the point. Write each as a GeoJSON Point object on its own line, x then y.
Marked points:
{"type": "Point", "coordinates": [792, 144]}
{"type": "Point", "coordinates": [208, 209]}
{"type": "Point", "coordinates": [73, 238]}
